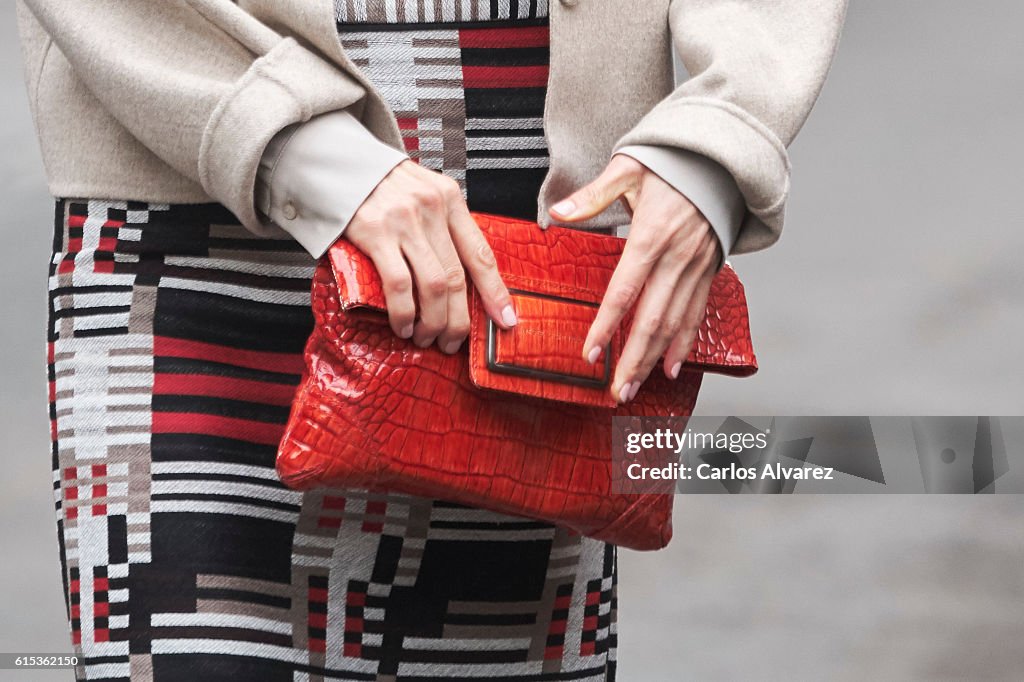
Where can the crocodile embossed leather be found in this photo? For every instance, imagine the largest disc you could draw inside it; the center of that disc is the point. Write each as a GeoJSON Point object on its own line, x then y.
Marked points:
{"type": "Point", "coordinates": [515, 422]}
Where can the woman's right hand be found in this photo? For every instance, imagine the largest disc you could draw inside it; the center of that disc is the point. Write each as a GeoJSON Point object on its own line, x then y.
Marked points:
{"type": "Point", "coordinates": [416, 229]}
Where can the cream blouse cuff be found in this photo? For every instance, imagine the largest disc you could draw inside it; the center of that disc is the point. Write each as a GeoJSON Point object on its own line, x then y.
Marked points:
{"type": "Point", "coordinates": [707, 185]}
{"type": "Point", "coordinates": [314, 176]}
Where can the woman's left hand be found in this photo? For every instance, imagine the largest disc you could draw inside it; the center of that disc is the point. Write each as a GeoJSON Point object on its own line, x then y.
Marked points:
{"type": "Point", "coordinates": [669, 260]}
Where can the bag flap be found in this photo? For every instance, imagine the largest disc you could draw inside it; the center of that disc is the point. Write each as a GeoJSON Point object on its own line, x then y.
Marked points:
{"type": "Point", "coordinates": [557, 278]}
{"type": "Point", "coordinates": [359, 285]}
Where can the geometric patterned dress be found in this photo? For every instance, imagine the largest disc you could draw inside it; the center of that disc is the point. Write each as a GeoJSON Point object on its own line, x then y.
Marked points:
{"type": "Point", "coordinates": [175, 346]}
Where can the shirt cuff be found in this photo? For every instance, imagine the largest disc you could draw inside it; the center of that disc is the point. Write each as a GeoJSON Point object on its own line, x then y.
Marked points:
{"type": "Point", "coordinates": [707, 184]}
{"type": "Point", "coordinates": [314, 176]}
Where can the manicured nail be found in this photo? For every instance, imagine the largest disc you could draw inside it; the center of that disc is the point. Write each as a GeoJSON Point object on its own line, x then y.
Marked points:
{"type": "Point", "coordinates": [633, 390]}
{"type": "Point", "coordinates": [565, 208]}
{"type": "Point", "coordinates": [426, 343]}
{"type": "Point", "coordinates": [452, 347]}
{"type": "Point", "coordinates": [675, 370]}
{"type": "Point", "coordinates": [508, 316]}
{"type": "Point", "coordinates": [406, 331]}
{"type": "Point", "coordinates": [624, 393]}
{"type": "Point", "coordinates": [594, 354]}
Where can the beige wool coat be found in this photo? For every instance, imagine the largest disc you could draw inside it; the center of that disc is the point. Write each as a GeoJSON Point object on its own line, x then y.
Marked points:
{"type": "Point", "coordinates": [176, 100]}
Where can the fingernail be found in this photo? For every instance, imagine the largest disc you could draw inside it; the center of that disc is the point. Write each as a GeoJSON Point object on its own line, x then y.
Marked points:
{"type": "Point", "coordinates": [633, 390]}
{"type": "Point", "coordinates": [406, 331]}
{"type": "Point", "coordinates": [452, 347]}
{"type": "Point", "coordinates": [425, 343]}
{"type": "Point", "coordinates": [675, 370]}
{"type": "Point", "coordinates": [565, 208]}
{"type": "Point", "coordinates": [508, 316]}
{"type": "Point", "coordinates": [624, 393]}
{"type": "Point", "coordinates": [594, 354]}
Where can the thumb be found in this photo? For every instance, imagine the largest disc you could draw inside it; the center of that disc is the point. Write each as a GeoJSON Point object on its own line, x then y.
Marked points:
{"type": "Point", "coordinates": [593, 198]}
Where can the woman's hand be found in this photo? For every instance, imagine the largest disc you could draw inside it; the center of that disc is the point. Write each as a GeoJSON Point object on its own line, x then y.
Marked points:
{"type": "Point", "coordinates": [416, 229]}
{"type": "Point", "coordinates": [670, 258]}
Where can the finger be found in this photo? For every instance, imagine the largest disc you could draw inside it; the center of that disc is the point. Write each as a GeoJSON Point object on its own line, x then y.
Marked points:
{"type": "Point", "coordinates": [619, 176]}
{"type": "Point", "coordinates": [431, 287]}
{"type": "Point", "coordinates": [677, 317]}
{"type": "Point", "coordinates": [396, 281]}
{"type": "Point", "coordinates": [642, 251]}
{"type": "Point", "coordinates": [457, 324]}
{"type": "Point", "coordinates": [457, 328]}
{"type": "Point", "coordinates": [478, 258]}
{"type": "Point", "coordinates": [655, 324]}
{"type": "Point", "coordinates": [674, 321]}
{"type": "Point", "coordinates": [696, 309]}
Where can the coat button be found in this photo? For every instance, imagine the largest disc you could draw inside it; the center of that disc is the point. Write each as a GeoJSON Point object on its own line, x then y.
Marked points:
{"type": "Point", "coordinates": [289, 211]}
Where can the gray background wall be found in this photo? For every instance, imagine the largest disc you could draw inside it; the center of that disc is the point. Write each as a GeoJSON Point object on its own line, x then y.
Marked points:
{"type": "Point", "coordinates": [895, 290]}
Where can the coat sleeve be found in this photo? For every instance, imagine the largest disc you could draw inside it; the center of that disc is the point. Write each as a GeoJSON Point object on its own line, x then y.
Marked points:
{"type": "Point", "coordinates": [201, 83]}
{"type": "Point", "coordinates": [756, 69]}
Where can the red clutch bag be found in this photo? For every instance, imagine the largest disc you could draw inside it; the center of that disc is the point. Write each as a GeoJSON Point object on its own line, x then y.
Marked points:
{"type": "Point", "coordinates": [517, 421]}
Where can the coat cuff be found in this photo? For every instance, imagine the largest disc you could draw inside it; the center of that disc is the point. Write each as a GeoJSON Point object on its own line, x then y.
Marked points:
{"type": "Point", "coordinates": [314, 176]}
{"type": "Point", "coordinates": [754, 156]}
{"type": "Point", "coordinates": [705, 183]}
{"type": "Point", "coordinates": [288, 85]}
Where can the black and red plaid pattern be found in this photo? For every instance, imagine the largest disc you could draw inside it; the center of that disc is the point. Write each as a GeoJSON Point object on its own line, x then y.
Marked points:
{"type": "Point", "coordinates": [599, 611]}
{"type": "Point", "coordinates": [447, 12]}
{"type": "Point", "coordinates": [175, 345]}
{"type": "Point", "coordinates": [469, 101]}
{"type": "Point", "coordinates": [559, 617]}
